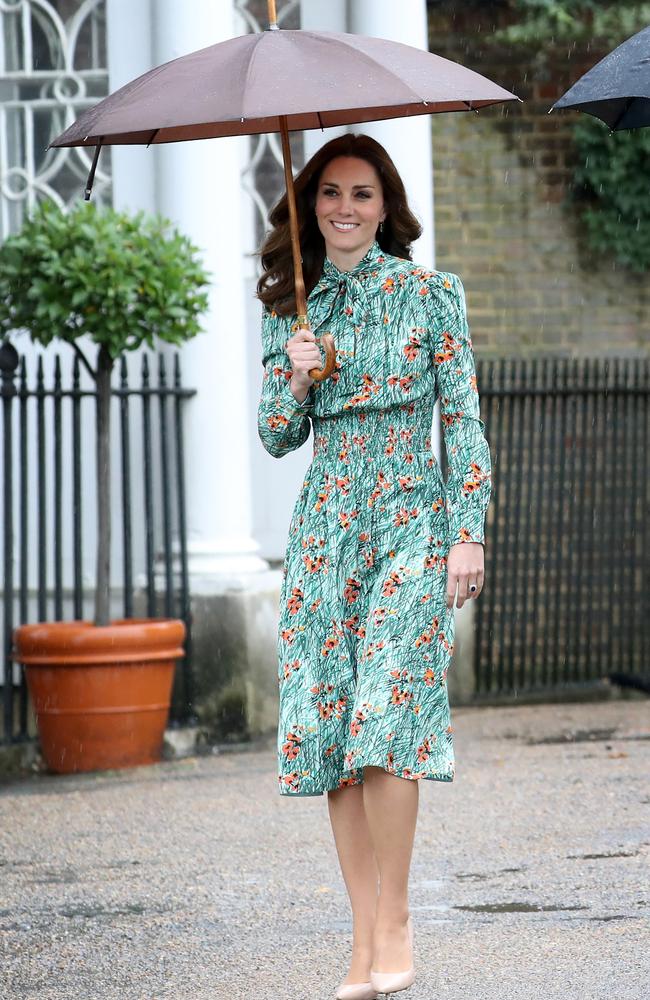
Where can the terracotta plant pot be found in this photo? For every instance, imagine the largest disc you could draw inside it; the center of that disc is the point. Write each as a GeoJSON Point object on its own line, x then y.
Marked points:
{"type": "Point", "coordinates": [101, 695]}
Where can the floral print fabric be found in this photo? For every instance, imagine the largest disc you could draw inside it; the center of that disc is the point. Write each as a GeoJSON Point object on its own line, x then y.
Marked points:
{"type": "Point", "coordinates": [365, 637]}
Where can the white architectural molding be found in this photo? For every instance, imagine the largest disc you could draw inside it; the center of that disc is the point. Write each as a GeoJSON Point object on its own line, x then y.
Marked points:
{"type": "Point", "coordinates": [198, 186]}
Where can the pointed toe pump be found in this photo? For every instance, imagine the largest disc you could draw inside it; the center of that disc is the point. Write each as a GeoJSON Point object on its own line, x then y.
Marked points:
{"type": "Point", "coordinates": [356, 991]}
{"type": "Point", "coordinates": [392, 982]}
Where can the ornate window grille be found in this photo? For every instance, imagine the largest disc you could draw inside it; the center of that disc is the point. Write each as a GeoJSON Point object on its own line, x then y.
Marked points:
{"type": "Point", "coordinates": [263, 177]}
{"type": "Point", "coordinates": [53, 64]}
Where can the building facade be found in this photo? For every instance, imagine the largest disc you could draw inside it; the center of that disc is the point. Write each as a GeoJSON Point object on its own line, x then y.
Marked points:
{"type": "Point", "coordinates": [57, 57]}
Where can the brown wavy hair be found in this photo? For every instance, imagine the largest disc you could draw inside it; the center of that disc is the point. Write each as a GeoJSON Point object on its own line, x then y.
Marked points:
{"type": "Point", "coordinates": [276, 285]}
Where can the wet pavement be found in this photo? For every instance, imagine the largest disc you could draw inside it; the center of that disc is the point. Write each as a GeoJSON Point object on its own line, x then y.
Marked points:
{"type": "Point", "coordinates": [195, 879]}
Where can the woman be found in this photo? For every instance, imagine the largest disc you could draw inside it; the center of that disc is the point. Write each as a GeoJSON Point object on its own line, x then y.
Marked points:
{"type": "Point", "coordinates": [377, 545]}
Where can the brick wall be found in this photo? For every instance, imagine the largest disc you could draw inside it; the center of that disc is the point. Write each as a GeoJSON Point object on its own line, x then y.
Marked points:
{"type": "Point", "coordinates": [502, 222]}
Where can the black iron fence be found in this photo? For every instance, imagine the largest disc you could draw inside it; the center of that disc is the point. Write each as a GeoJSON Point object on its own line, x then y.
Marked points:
{"type": "Point", "coordinates": [567, 556]}
{"type": "Point", "coordinates": [48, 456]}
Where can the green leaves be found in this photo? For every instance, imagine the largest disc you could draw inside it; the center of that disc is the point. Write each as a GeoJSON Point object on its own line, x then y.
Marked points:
{"type": "Point", "coordinates": [121, 280]}
{"type": "Point", "coordinates": [611, 191]}
{"type": "Point", "coordinates": [596, 22]}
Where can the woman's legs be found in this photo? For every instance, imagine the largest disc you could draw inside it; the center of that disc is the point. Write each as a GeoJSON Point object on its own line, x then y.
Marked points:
{"type": "Point", "coordinates": [360, 873]}
{"type": "Point", "coordinates": [391, 808]}
{"type": "Point", "coordinates": [374, 829]}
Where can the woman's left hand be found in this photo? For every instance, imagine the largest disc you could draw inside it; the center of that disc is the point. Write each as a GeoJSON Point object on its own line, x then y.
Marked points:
{"type": "Point", "coordinates": [465, 566]}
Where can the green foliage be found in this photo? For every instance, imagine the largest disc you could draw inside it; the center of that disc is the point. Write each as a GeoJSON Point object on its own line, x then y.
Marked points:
{"type": "Point", "coordinates": [120, 280]}
{"type": "Point", "coordinates": [612, 193]}
{"type": "Point", "coordinates": [606, 22]}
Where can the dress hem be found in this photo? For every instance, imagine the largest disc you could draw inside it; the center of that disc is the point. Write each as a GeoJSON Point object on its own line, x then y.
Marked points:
{"type": "Point", "coordinates": [434, 776]}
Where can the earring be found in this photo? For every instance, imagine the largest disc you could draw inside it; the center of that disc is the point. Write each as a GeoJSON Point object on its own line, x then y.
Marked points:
{"type": "Point", "coordinates": [381, 226]}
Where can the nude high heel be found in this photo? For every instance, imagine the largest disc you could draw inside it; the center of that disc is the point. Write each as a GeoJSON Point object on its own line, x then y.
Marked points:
{"type": "Point", "coordinates": [392, 982]}
{"type": "Point", "coordinates": [356, 991]}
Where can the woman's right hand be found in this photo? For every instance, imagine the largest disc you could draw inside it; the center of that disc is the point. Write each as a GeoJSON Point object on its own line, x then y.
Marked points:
{"type": "Point", "coordinates": [304, 355]}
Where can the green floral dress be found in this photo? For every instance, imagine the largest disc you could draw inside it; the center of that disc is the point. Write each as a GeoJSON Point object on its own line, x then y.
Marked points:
{"type": "Point", "coordinates": [365, 636]}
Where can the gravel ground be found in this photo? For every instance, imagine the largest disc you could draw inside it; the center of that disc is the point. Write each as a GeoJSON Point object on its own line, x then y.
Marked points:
{"type": "Point", "coordinates": [193, 879]}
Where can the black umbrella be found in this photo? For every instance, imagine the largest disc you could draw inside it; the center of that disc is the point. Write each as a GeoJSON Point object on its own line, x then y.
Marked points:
{"type": "Point", "coordinates": [617, 89]}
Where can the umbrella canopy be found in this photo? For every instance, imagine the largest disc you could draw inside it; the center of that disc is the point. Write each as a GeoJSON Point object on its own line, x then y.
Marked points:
{"type": "Point", "coordinates": [280, 81]}
{"type": "Point", "coordinates": [248, 84]}
{"type": "Point", "coordinates": [617, 89]}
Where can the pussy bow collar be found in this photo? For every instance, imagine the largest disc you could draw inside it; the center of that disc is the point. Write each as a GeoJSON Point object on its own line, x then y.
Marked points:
{"type": "Point", "coordinates": [343, 294]}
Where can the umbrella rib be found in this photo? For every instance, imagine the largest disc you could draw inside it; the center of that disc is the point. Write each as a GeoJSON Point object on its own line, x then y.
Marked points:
{"type": "Point", "coordinates": [93, 168]}
{"type": "Point", "coordinates": [628, 105]}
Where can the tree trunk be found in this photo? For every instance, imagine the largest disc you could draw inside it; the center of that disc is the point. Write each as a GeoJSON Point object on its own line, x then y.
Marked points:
{"type": "Point", "coordinates": [103, 581]}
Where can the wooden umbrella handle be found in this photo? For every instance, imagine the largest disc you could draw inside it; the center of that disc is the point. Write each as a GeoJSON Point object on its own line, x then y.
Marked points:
{"type": "Point", "coordinates": [327, 340]}
{"type": "Point", "coordinates": [328, 345]}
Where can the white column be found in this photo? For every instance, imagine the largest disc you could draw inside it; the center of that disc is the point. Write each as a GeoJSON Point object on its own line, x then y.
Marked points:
{"type": "Point", "coordinates": [198, 187]}
{"type": "Point", "coordinates": [130, 54]}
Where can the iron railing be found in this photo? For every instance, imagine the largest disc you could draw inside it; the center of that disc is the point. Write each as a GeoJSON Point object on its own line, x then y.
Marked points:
{"type": "Point", "coordinates": [46, 487]}
{"type": "Point", "coordinates": [566, 600]}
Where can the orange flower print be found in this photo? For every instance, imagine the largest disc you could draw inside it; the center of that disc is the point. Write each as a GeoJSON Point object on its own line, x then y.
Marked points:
{"type": "Point", "coordinates": [314, 565]}
{"type": "Point", "coordinates": [470, 486]}
{"type": "Point", "coordinates": [363, 643]}
{"type": "Point", "coordinates": [412, 349]}
{"type": "Point", "coordinates": [369, 558]}
{"type": "Point", "coordinates": [330, 643]}
{"type": "Point", "coordinates": [289, 668]}
{"type": "Point", "coordinates": [294, 603]}
{"type": "Point", "coordinates": [391, 584]}
{"type": "Point", "coordinates": [277, 420]}
{"type": "Point", "coordinates": [399, 697]}
{"type": "Point", "coordinates": [352, 624]}
{"type": "Point", "coordinates": [403, 516]}
{"type": "Point", "coordinates": [346, 520]}
{"type": "Point", "coordinates": [289, 782]}
{"type": "Point", "coordinates": [382, 484]}
{"type": "Point", "coordinates": [373, 648]}
{"type": "Point", "coordinates": [352, 590]}
{"type": "Point", "coordinates": [451, 343]}
{"type": "Point", "coordinates": [440, 357]}
{"type": "Point", "coordinates": [325, 710]}
{"type": "Point", "coordinates": [357, 722]}
{"type": "Point", "coordinates": [291, 748]}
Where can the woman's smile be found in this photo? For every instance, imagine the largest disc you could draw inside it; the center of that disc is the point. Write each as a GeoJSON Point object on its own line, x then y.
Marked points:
{"type": "Point", "coordinates": [349, 209]}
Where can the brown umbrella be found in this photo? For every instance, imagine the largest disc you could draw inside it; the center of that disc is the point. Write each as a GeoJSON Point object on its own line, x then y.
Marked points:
{"type": "Point", "coordinates": [280, 81]}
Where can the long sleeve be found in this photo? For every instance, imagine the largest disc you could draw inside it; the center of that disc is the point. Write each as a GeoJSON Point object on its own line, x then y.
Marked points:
{"type": "Point", "coordinates": [468, 483]}
{"type": "Point", "coordinates": [283, 424]}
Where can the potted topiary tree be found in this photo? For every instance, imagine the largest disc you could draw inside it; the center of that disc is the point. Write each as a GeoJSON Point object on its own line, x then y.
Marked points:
{"type": "Point", "coordinates": [101, 690]}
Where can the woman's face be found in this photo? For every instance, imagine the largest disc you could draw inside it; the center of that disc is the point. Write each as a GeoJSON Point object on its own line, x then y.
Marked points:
{"type": "Point", "coordinates": [349, 208]}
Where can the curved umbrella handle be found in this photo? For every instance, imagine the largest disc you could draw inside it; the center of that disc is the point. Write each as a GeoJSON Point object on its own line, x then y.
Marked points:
{"type": "Point", "coordinates": [328, 345]}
